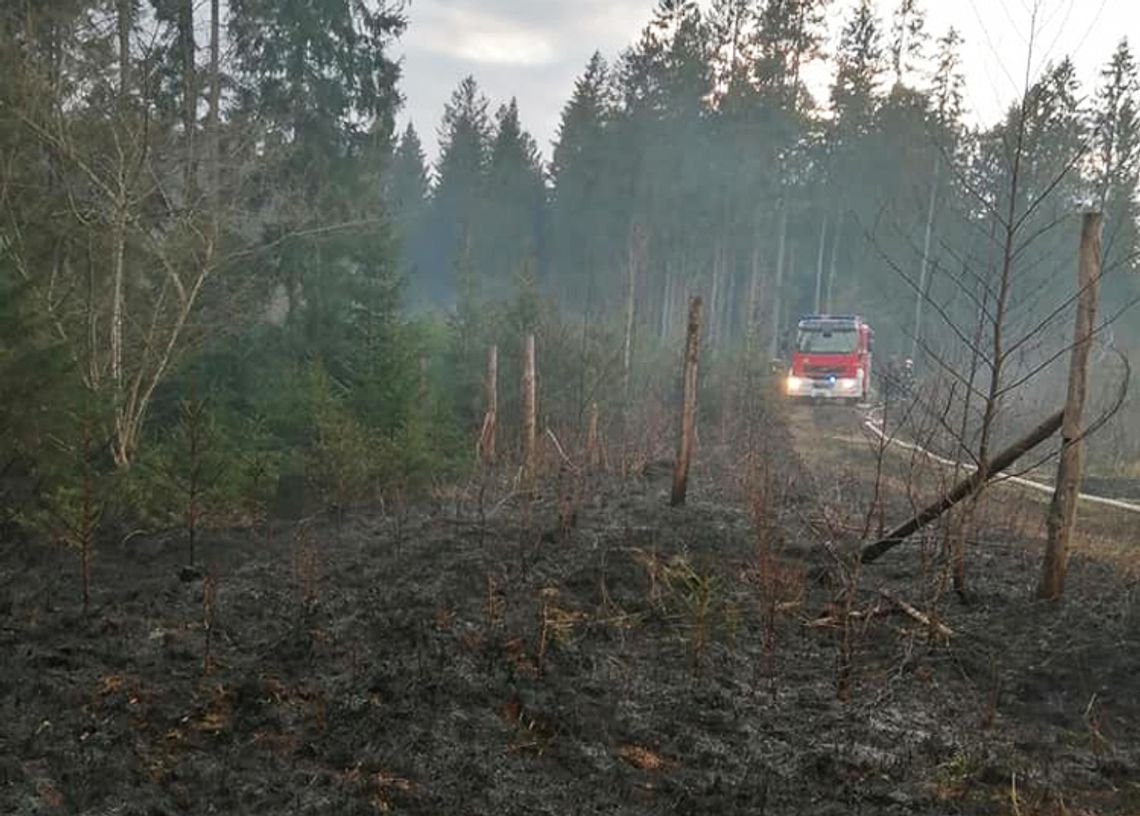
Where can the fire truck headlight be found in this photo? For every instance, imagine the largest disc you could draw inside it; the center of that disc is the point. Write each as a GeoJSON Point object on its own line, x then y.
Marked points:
{"type": "Point", "coordinates": [848, 384]}
{"type": "Point", "coordinates": [794, 383]}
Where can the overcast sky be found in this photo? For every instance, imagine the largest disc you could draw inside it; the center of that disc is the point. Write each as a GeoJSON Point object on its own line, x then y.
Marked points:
{"type": "Point", "coordinates": [534, 49]}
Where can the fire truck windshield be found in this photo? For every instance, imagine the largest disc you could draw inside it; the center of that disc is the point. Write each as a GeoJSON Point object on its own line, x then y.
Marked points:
{"type": "Point", "coordinates": [827, 340]}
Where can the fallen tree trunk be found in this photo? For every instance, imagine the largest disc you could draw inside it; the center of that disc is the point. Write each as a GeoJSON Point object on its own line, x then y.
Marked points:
{"type": "Point", "coordinates": [964, 489]}
{"type": "Point", "coordinates": [933, 626]}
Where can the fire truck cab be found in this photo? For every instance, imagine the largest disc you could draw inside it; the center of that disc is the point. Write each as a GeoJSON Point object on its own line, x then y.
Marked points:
{"type": "Point", "coordinates": [831, 359]}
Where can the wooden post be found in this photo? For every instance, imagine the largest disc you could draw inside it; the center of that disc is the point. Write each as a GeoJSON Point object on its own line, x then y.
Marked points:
{"type": "Point", "coordinates": [490, 420]}
{"type": "Point", "coordinates": [592, 437]}
{"type": "Point", "coordinates": [1063, 508]}
{"type": "Point", "coordinates": [689, 404]}
{"type": "Point", "coordinates": [529, 423]}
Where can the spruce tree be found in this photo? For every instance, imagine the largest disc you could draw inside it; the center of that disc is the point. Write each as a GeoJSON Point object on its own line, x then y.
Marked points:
{"type": "Point", "coordinates": [512, 212]}
{"type": "Point", "coordinates": [1115, 120]}
{"type": "Point", "coordinates": [908, 38]}
{"type": "Point", "coordinates": [464, 139]}
{"type": "Point", "coordinates": [859, 69]}
{"type": "Point", "coordinates": [407, 188]}
{"type": "Point", "coordinates": [317, 78]}
{"type": "Point", "coordinates": [583, 208]}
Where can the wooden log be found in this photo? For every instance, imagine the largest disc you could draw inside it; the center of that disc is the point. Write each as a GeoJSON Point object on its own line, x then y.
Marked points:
{"type": "Point", "coordinates": [529, 421]}
{"type": "Point", "coordinates": [964, 489]}
{"type": "Point", "coordinates": [1062, 510]}
{"type": "Point", "coordinates": [688, 405]}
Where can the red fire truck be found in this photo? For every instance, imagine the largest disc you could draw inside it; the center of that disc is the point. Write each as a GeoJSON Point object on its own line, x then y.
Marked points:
{"type": "Point", "coordinates": [831, 359]}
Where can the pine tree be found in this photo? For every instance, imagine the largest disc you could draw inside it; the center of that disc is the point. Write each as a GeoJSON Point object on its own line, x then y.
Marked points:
{"type": "Point", "coordinates": [316, 78]}
{"type": "Point", "coordinates": [860, 66]}
{"type": "Point", "coordinates": [789, 35]}
{"type": "Point", "coordinates": [511, 215]}
{"type": "Point", "coordinates": [406, 193]}
{"type": "Point", "coordinates": [464, 138]}
{"type": "Point", "coordinates": [908, 38]}
{"type": "Point", "coordinates": [947, 81]}
{"type": "Point", "coordinates": [583, 206]}
{"type": "Point", "coordinates": [407, 185]}
{"type": "Point", "coordinates": [319, 70]}
{"type": "Point", "coordinates": [1116, 180]}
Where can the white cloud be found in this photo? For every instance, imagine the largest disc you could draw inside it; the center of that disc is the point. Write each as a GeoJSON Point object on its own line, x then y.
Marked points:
{"type": "Point", "coordinates": [534, 49]}
{"type": "Point", "coordinates": [481, 37]}
{"type": "Point", "coordinates": [505, 48]}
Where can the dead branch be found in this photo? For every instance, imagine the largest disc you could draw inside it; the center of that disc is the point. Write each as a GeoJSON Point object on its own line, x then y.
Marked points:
{"type": "Point", "coordinates": [969, 486]}
{"type": "Point", "coordinates": [925, 620]}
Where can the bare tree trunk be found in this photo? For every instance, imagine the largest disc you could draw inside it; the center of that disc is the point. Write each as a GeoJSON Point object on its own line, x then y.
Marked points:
{"type": "Point", "coordinates": [726, 312]}
{"type": "Point", "coordinates": [920, 297]}
{"type": "Point", "coordinates": [774, 344]}
{"type": "Point", "coordinates": [753, 317]}
{"type": "Point", "coordinates": [830, 303]}
{"type": "Point", "coordinates": [634, 259]}
{"type": "Point", "coordinates": [118, 272]}
{"type": "Point", "coordinates": [189, 92]}
{"type": "Point", "coordinates": [1062, 510]}
{"type": "Point", "coordinates": [689, 404]}
{"type": "Point", "coordinates": [1005, 283]}
{"type": "Point", "coordinates": [124, 21]}
{"type": "Point", "coordinates": [490, 421]}
{"type": "Point", "coordinates": [965, 518]}
{"type": "Point", "coordinates": [214, 116]}
{"type": "Point", "coordinates": [714, 296]}
{"type": "Point", "coordinates": [819, 264]}
{"type": "Point", "coordinates": [967, 488]}
{"type": "Point", "coordinates": [529, 419]}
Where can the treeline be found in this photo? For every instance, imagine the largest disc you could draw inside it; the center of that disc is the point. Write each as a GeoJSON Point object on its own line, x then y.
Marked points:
{"type": "Point", "coordinates": [700, 161]}
{"type": "Point", "coordinates": [210, 234]}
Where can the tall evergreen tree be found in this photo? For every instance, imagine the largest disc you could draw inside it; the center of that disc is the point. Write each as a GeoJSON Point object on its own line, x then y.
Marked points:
{"type": "Point", "coordinates": [789, 35]}
{"type": "Point", "coordinates": [407, 185]}
{"type": "Point", "coordinates": [583, 208]}
{"type": "Point", "coordinates": [947, 81]}
{"type": "Point", "coordinates": [407, 188]}
{"type": "Point", "coordinates": [512, 214]}
{"type": "Point", "coordinates": [317, 77]}
{"type": "Point", "coordinates": [859, 69]}
{"type": "Point", "coordinates": [464, 139]}
{"type": "Point", "coordinates": [908, 38]}
{"type": "Point", "coordinates": [1116, 177]}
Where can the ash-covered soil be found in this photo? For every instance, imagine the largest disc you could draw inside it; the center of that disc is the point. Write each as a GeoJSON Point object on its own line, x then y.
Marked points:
{"type": "Point", "coordinates": [599, 654]}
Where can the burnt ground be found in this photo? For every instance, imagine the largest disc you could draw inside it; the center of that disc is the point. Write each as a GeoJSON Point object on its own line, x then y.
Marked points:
{"type": "Point", "coordinates": [607, 654]}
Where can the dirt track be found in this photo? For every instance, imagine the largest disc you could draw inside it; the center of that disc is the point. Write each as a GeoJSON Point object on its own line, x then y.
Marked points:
{"type": "Point", "coordinates": [641, 660]}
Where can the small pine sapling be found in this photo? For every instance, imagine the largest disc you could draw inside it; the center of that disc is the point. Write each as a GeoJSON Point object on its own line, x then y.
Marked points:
{"type": "Point", "coordinates": [197, 435]}
{"type": "Point", "coordinates": [73, 512]}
